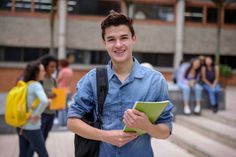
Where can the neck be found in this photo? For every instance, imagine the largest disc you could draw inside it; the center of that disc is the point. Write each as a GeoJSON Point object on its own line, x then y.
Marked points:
{"type": "Point", "coordinates": [122, 70]}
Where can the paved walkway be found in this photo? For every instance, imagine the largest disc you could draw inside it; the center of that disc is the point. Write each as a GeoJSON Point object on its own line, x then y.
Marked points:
{"type": "Point", "coordinates": [60, 143]}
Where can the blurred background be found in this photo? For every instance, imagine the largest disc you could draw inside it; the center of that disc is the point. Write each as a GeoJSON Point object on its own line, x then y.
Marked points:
{"type": "Point", "coordinates": [168, 32]}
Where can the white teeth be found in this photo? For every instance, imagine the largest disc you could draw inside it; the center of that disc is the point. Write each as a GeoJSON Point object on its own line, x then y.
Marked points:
{"type": "Point", "coordinates": [120, 51]}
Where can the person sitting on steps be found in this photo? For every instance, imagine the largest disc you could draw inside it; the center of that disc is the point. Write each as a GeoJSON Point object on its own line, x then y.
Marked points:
{"type": "Point", "coordinates": [210, 78]}
{"type": "Point", "coordinates": [188, 80]}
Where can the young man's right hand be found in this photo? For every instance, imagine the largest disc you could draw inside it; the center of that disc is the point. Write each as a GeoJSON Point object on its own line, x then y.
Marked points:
{"type": "Point", "coordinates": [118, 137]}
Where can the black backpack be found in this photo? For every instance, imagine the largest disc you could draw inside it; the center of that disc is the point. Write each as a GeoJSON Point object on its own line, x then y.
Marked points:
{"type": "Point", "coordinates": [86, 147]}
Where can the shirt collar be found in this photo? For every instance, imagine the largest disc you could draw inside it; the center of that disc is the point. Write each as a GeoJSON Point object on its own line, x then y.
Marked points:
{"type": "Point", "coordinates": [136, 72]}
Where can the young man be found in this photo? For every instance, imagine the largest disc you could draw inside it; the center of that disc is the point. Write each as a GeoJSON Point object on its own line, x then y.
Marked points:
{"type": "Point", "coordinates": [128, 82]}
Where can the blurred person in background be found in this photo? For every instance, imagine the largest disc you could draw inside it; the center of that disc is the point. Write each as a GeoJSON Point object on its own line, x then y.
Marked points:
{"type": "Point", "coordinates": [64, 80]}
{"type": "Point", "coordinates": [210, 78]}
{"type": "Point", "coordinates": [30, 135]}
{"type": "Point", "coordinates": [49, 82]}
{"type": "Point", "coordinates": [148, 65]}
{"type": "Point", "coordinates": [202, 60]}
{"type": "Point", "coordinates": [177, 74]}
{"type": "Point", "coordinates": [188, 79]}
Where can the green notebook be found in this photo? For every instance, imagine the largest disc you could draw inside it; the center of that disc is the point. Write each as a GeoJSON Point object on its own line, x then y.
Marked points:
{"type": "Point", "coordinates": [152, 109]}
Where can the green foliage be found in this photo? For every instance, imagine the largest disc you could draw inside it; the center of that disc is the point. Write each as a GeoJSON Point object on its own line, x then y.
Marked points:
{"type": "Point", "coordinates": [225, 70]}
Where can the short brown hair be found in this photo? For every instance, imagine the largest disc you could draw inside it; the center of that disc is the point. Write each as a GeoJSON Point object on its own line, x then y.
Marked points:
{"type": "Point", "coordinates": [116, 19]}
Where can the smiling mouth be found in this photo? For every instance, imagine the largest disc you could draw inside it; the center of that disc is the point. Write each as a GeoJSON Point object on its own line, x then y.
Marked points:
{"type": "Point", "coordinates": [120, 52]}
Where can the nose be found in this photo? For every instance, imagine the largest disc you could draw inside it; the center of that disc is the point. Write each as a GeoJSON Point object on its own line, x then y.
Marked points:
{"type": "Point", "coordinates": [118, 43]}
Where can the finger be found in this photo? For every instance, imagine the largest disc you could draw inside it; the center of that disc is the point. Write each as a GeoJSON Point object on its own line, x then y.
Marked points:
{"type": "Point", "coordinates": [126, 122]}
{"type": "Point", "coordinates": [137, 112]}
{"type": "Point", "coordinates": [129, 116]}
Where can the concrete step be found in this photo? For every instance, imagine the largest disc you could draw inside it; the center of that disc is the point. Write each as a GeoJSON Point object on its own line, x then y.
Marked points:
{"type": "Point", "coordinates": [166, 148]}
{"type": "Point", "coordinates": [217, 131]}
{"type": "Point", "coordinates": [226, 117]}
{"type": "Point", "coordinates": [198, 144]}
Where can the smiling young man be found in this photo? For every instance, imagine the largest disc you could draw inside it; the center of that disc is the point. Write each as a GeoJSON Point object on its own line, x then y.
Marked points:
{"type": "Point", "coordinates": [128, 82]}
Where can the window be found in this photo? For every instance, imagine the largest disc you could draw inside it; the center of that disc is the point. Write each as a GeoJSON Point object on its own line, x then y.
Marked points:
{"type": "Point", "coordinates": [76, 56]}
{"type": "Point", "coordinates": [43, 5]}
{"type": "Point", "coordinates": [30, 54]}
{"type": "Point", "coordinates": [19, 54]}
{"type": "Point", "coordinates": [229, 60]}
{"type": "Point", "coordinates": [211, 15]}
{"type": "Point", "coordinates": [12, 54]}
{"type": "Point", "coordinates": [230, 16]}
{"type": "Point", "coordinates": [153, 11]}
{"type": "Point", "coordinates": [23, 5]}
{"type": "Point", "coordinates": [96, 7]}
{"type": "Point", "coordinates": [87, 56]}
{"type": "Point", "coordinates": [156, 59]}
{"type": "Point", "coordinates": [101, 57]}
{"type": "Point", "coordinates": [193, 14]}
{"type": "Point", "coordinates": [5, 4]}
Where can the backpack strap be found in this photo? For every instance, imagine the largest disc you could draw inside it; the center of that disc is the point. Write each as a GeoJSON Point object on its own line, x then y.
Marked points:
{"type": "Point", "coordinates": [102, 89]}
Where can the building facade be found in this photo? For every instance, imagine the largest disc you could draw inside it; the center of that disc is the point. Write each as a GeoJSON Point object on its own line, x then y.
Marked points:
{"type": "Point", "coordinates": [25, 31]}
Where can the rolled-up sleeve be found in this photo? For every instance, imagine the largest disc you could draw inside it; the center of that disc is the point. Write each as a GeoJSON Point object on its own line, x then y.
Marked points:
{"type": "Point", "coordinates": [166, 116]}
{"type": "Point", "coordinates": [83, 101]}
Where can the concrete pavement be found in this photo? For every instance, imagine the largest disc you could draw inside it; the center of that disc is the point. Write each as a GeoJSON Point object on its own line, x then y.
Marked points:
{"type": "Point", "coordinates": [60, 143]}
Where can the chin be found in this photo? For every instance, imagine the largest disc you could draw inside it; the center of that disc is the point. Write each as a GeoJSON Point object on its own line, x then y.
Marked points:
{"type": "Point", "coordinates": [120, 59]}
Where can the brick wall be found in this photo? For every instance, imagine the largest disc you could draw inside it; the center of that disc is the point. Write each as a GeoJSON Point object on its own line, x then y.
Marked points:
{"type": "Point", "coordinates": [9, 76]}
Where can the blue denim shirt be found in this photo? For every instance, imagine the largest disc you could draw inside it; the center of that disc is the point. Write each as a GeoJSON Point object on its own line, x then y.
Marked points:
{"type": "Point", "coordinates": [142, 84]}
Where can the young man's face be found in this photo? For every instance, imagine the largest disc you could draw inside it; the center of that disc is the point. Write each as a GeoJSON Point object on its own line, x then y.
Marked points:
{"type": "Point", "coordinates": [119, 43]}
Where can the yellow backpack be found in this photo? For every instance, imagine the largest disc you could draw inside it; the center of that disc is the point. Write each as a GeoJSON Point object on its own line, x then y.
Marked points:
{"type": "Point", "coordinates": [17, 112]}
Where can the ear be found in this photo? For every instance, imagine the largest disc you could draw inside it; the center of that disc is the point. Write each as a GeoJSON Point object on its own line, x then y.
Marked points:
{"type": "Point", "coordinates": [134, 38]}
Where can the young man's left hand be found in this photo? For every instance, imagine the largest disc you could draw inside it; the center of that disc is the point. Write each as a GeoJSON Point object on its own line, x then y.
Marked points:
{"type": "Point", "coordinates": [136, 119]}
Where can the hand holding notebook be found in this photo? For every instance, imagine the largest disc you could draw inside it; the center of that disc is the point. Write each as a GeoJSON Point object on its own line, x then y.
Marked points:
{"type": "Point", "coordinates": [151, 109]}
